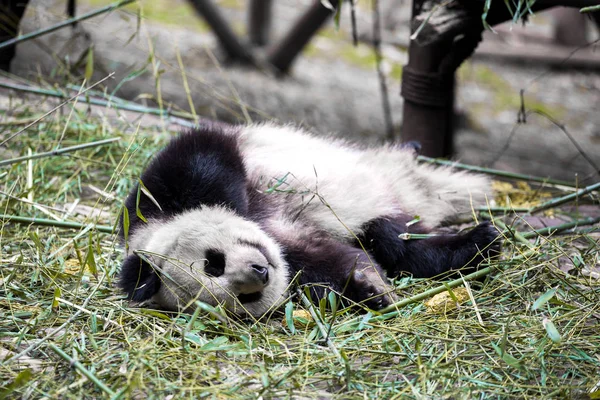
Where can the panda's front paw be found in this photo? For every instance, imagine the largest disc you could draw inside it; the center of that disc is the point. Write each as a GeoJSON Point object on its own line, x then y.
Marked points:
{"type": "Point", "coordinates": [486, 238]}
{"type": "Point", "coordinates": [369, 286]}
{"type": "Point", "coordinates": [474, 247]}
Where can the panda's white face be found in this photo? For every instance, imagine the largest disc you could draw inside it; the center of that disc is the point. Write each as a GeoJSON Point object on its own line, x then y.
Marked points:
{"type": "Point", "coordinates": [214, 256]}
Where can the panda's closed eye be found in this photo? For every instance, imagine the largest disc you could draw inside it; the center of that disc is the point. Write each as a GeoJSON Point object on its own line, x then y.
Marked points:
{"type": "Point", "coordinates": [215, 263]}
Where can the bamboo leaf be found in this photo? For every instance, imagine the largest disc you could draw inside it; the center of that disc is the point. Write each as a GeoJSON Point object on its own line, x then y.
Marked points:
{"type": "Point", "coordinates": [347, 366]}
{"type": "Point", "coordinates": [218, 343]}
{"type": "Point", "coordinates": [486, 9]}
{"type": "Point", "coordinates": [156, 314]}
{"type": "Point", "coordinates": [451, 293]}
{"type": "Point", "coordinates": [147, 193]}
{"type": "Point", "coordinates": [90, 260]}
{"type": "Point", "coordinates": [364, 321]}
{"type": "Point", "coordinates": [327, 4]}
{"type": "Point", "coordinates": [55, 303]}
{"type": "Point", "coordinates": [36, 240]}
{"type": "Point", "coordinates": [504, 339]}
{"type": "Point", "coordinates": [21, 380]}
{"type": "Point", "coordinates": [131, 76]}
{"type": "Point", "coordinates": [332, 301]}
{"type": "Point", "coordinates": [543, 299]}
{"type": "Point", "coordinates": [507, 358]}
{"type": "Point", "coordinates": [93, 323]}
{"type": "Point", "coordinates": [585, 10]}
{"type": "Point", "coordinates": [89, 67]}
{"type": "Point", "coordinates": [126, 226]}
{"type": "Point", "coordinates": [138, 212]}
{"type": "Point", "coordinates": [551, 330]}
{"type": "Point", "coordinates": [323, 306]}
{"type": "Point", "coordinates": [338, 14]}
{"type": "Point", "coordinates": [289, 316]}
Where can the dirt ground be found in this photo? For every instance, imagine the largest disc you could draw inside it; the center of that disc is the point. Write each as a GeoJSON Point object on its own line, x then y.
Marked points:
{"type": "Point", "coordinates": [333, 87]}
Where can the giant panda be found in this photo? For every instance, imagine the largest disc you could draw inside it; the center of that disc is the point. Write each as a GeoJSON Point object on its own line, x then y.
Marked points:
{"type": "Point", "coordinates": [238, 215]}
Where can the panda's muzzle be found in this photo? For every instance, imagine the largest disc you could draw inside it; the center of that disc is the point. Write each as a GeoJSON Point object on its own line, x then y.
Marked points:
{"type": "Point", "coordinates": [256, 279]}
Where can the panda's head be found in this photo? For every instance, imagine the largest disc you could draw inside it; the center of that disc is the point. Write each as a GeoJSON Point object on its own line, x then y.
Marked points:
{"type": "Point", "coordinates": [211, 255]}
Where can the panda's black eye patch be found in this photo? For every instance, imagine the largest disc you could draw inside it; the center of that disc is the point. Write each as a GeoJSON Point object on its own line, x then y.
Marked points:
{"type": "Point", "coordinates": [215, 263]}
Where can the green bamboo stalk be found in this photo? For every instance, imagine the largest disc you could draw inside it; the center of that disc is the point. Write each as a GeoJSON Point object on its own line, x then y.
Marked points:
{"type": "Point", "coordinates": [63, 24]}
{"type": "Point", "coordinates": [34, 90]}
{"type": "Point", "coordinates": [585, 231]}
{"type": "Point", "coordinates": [590, 9]}
{"type": "Point", "coordinates": [322, 328]}
{"type": "Point", "coordinates": [120, 104]}
{"type": "Point", "coordinates": [502, 209]}
{"type": "Point", "coordinates": [88, 374]}
{"type": "Point", "coordinates": [565, 199]}
{"type": "Point", "coordinates": [58, 152]}
{"type": "Point", "coordinates": [415, 236]}
{"type": "Point", "coordinates": [324, 331]}
{"type": "Point", "coordinates": [54, 109]}
{"type": "Point", "coordinates": [495, 172]}
{"type": "Point", "coordinates": [559, 228]}
{"type": "Point", "coordinates": [393, 309]}
{"type": "Point", "coordinates": [49, 222]}
{"type": "Point", "coordinates": [517, 235]}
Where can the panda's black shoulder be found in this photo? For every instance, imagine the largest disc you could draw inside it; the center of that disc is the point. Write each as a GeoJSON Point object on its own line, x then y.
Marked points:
{"type": "Point", "coordinates": [199, 167]}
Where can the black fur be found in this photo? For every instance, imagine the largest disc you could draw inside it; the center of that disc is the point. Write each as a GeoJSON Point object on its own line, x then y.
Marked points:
{"type": "Point", "coordinates": [430, 257]}
{"type": "Point", "coordinates": [138, 279]}
{"type": "Point", "coordinates": [197, 168]}
{"type": "Point", "coordinates": [324, 263]}
{"type": "Point", "coordinates": [215, 263]}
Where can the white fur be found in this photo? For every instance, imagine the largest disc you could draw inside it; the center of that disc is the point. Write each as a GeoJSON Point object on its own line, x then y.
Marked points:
{"type": "Point", "coordinates": [354, 185]}
{"type": "Point", "coordinates": [177, 247]}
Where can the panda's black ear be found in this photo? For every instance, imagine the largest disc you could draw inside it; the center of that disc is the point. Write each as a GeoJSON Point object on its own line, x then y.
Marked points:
{"type": "Point", "coordinates": [138, 279]}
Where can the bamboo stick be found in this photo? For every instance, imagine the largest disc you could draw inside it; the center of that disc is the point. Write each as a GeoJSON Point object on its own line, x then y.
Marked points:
{"type": "Point", "coordinates": [565, 199]}
{"type": "Point", "coordinates": [48, 222]}
{"type": "Point", "coordinates": [496, 172]}
{"type": "Point", "coordinates": [63, 24]}
{"type": "Point", "coordinates": [58, 151]}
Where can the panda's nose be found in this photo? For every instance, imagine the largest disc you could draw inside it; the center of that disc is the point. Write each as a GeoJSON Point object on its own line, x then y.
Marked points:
{"type": "Point", "coordinates": [261, 272]}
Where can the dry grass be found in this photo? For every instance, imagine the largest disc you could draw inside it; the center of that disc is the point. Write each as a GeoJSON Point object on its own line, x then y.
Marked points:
{"type": "Point", "coordinates": [529, 330]}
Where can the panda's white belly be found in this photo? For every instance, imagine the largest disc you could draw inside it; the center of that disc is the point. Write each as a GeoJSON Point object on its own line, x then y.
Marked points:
{"type": "Point", "coordinates": [330, 185]}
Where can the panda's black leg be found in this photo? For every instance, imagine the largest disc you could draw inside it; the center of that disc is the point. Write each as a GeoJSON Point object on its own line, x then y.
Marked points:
{"type": "Point", "coordinates": [324, 263]}
{"type": "Point", "coordinates": [430, 257]}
